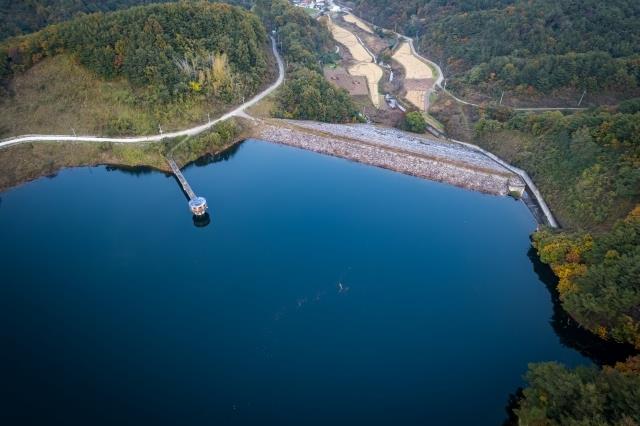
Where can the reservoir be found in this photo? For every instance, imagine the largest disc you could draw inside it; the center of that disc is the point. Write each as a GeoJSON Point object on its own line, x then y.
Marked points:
{"type": "Point", "coordinates": [322, 292]}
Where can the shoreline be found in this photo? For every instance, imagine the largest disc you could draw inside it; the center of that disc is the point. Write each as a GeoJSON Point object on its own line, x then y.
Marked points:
{"type": "Point", "coordinates": [435, 160]}
{"type": "Point", "coordinates": [440, 161]}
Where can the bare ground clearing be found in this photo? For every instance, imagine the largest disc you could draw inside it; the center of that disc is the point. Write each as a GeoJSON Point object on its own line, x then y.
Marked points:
{"type": "Point", "coordinates": [349, 40]}
{"type": "Point", "coordinates": [418, 77]}
{"type": "Point", "coordinates": [415, 69]}
{"type": "Point", "coordinates": [352, 19]}
{"type": "Point", "coordinates": [373, 73]}
{"type": "Point", "coordinates": [364, 63]}
{"type": "Point", "coordinates": [354, 84]}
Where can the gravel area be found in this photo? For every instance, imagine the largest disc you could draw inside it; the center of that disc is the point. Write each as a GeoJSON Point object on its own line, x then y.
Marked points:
{"type": "Point", "coordinates": [409, 142]}
{"type": "Point", "coordinates": [395, 150]}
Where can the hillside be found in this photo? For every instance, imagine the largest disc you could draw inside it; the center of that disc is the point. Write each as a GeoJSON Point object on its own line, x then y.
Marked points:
{"type": "Point", "coordinates": [166, 65]}
{"type": "Point", "coordinates": [305, 44]}
{"type": "Point", "coordinates": [587, 165]}
{"type": "Point", "coordinates": [27, 16]}
{"type": "Point", "coordinates": [536, 51]}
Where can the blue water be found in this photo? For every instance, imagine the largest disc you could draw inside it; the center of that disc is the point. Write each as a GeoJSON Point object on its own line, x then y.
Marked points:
{"type": "Point", "coordinates": [115, 308]}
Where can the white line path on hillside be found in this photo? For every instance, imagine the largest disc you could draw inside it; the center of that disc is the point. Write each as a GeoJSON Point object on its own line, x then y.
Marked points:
{"type": "Point", "coordinates": [239, 111]}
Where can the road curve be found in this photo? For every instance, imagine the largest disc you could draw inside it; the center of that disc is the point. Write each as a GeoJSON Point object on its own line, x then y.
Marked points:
{"type": "Point", "coordinates": [239, 111]}
{"type": "Point", "coordinates": [441, 78]}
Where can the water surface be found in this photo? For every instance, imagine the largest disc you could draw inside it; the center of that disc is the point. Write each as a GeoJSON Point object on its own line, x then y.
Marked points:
{"type": "Point", "coordinates": [322, 292]}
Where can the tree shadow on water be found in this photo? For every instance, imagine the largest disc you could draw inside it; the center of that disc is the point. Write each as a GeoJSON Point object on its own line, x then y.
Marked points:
{"type": "Point", "coordinates": [131, 170]}
{"type": "Point", "coordinates": [201, 221]}
{"type": "Point", "coordinates": [224, 155]}
{"type": "Point", "coordinates": [571, 334]}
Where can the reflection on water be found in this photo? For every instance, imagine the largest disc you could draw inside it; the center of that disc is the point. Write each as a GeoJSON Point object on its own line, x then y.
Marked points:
{"type": "Point", "coordinates": [571, 334]}
{"type": "Point", "coordinates": [512, 404]}
{"type": "Point", "coordinates": [252, 324]}
{"type": "Point", "coordinates": [201, 221]}
{"type": "Point", "coordinates": [131, 170]}
{"type": "Point", "coordinates": [207, 159]}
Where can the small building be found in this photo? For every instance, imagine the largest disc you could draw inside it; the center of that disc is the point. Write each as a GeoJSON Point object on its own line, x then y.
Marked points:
{"type": "Point", "coordinates": [516, 187]}
{"type": "Point", "coordinates": [198, 206]}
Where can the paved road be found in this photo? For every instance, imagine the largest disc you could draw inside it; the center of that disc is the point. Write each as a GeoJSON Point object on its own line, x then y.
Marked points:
{"type": "Point", "coordinates": [239, 111]}
{"type": "Point", "coordinates": [462, 101]}
{"type": "Point", "coordinates": [441, 78]}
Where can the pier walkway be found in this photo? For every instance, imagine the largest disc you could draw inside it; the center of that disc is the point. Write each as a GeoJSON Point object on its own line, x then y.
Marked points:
{"type": "Point", "coordinates": [198, 205]}
{"type": "Point", "coordinates": [183, 182]}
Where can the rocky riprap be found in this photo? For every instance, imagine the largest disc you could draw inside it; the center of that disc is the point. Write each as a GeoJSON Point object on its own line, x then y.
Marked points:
{"type": "Point", "coordinates": [392, 149]}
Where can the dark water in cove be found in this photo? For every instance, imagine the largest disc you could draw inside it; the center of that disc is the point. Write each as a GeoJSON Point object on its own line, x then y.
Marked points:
{"type": "Point", "coordinates": [322, 292]}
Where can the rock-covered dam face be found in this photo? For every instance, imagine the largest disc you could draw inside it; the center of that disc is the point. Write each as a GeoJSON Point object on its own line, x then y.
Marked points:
{"type": "Point", "coordinates": [392, 149]}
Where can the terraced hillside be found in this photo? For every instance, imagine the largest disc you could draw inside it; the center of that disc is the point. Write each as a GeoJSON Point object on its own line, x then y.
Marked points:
{"type": "Point", "coordinates": [539, 51]}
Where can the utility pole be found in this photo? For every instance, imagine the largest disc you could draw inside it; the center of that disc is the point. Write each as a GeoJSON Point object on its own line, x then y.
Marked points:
{"type": "Point", "coordinates": [74, 131]}
{"type": "Point", "coordinates": [160, 128]}
{"type": "Point", "coordinates": [445, 85]}
{"type": "Point", "coordinates": [501, 96]}
{"type": "Point", "coordinates": [209, 117]}
{"type": "Point", "coordinates": [582, 97]}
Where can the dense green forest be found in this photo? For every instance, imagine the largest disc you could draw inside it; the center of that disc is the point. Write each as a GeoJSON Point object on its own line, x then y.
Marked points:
{"type": "Point", "coordinates": [584, 396]}
{"type": "Point", "coordinates": [588, 167]}
{"type": "Point", "coordinates": [173, 50]}
{"type": "Point", "coordinates": [529, 47]}
{"type": "Point", "coordinates": [216, 54]}
{"type": "Point", "coordinates": [27, 16]}
{"type": "Point", "coordinates": [586, 164]}
{"type": "Point", "coordinates": [305, 44]}
{"type": "Point", "coordinates": [599, 277]}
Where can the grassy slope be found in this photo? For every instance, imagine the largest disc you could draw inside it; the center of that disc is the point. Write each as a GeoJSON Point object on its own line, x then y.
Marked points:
{"type": "Point", "coordinates": [25, 162]}
{"type": "Point", "coordinates": [57, 95]}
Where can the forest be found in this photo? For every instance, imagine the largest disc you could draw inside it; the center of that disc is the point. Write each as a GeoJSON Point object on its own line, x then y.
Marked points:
{"type": "Point", "coordinates": [27, 16]}
{"type": "Point", "coordinates": [134, 71]}
{"type": "Point", "coordinates": [587, 165]}
{"type": "Point", "coordinates": [173, 50]}
{"type": "Point", "coordinates": [176, 62]}
{"type": "Point", "coordinates": [584, 396]}
{"type": "Point", "coordinates": [306, 45]}
{"type": "Point", "coordinates": [529, 47]}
